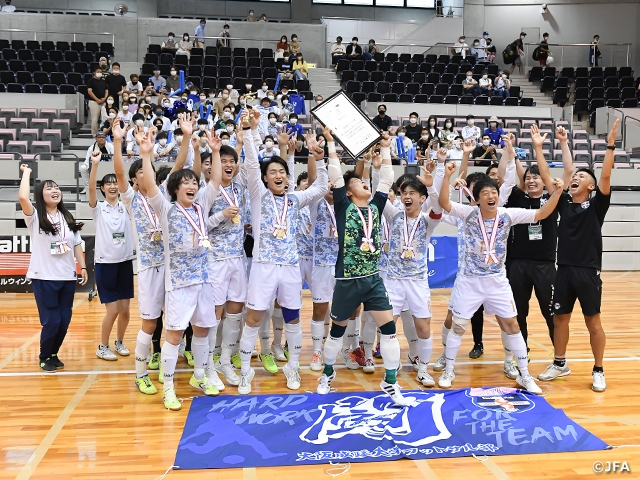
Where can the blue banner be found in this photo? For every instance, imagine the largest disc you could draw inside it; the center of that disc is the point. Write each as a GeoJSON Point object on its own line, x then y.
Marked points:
{"type": "Point", "coordinates": [443, 261]}
{"type": "Point", "coordinates": [306, 429]}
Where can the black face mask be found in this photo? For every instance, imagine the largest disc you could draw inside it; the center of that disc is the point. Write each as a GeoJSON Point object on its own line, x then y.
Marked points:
{"type": "Point", "coordinates": [382, 112]}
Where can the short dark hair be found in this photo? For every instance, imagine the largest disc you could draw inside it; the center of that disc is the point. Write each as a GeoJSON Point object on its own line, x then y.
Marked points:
{"type": "Point", "coordinates": [484, 182]}
{"type": "Point", "coordinates": [533, 170]}
{"type": "Point", "coordinates": [171, 34]}
{"type": "Point", "coordinates": [162, 174]}
{"type": "Point", "coordinates": [227, 150]}
{"type": "Point", "coordinates": [108, 178]}
{"type": "Point", "coordinates": [339, 38]}
{"type": "Point", "coordinates": [354, 38]}
{"type": "Point", "coordinates": [226, 25]}
{"type": "Point", "coordinates": [135, 166]}
{"type": "Point", "coordinates": [486, 135]}
{"type": "Point", "coordinates": [264, 166]}
{"type": "Point", "coordinates": [115, 64]}
{"type": "Point", "coordinates": [348, 176]}
{"type": "Point", "coordinates": [173, 184]}
{"type": "Point", "coordinates": [270, 137]}
{"type": "Point", "coordinates": [162, 135]}
{"type": "Point", "coordinates": [301, 177]}
{"type": "Point", "coordinates": [414, 184]}
{"type": "Point", "coordinates": [491, 167]}
{"type": "Point", "coordinates": [177, 131]}
{"type": "Point", "coordinates": [401, 179]}
{"type": "Point", "coordinates": [414, 113]}
{"type": "Point", "coordinates": [590, 172]}
{"type": "Point", "coordinates": [206, 156]}
{"type": "Point", "coordinates": [474, 177]}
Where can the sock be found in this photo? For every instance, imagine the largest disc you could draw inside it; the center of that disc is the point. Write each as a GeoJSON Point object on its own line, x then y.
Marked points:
{"type": "Point", "coordinates": [519, 349]}
{"type": "Point", "coordinates": [368, 334]}
{"type": "Point", "coordinates": [445, 333]}
{"type": "Point", "coordinates": [243, 321]}
{"type": "Point", "coordinates": [278, 325]}
{"type": "Point", "coordinates": [409, 329]}
{"type": "Point", "coordinates": [508, 354]}
{"type": "Point", "coordinates": [327, 324]}
{"type": "Point", "coordinates": [390, 351]}
{"type": "Point", "coordinates": [217, 349]}
{"type": "Point", "coordinates": [348, 336]}
{"type": "Point", "coordinates": [143, 344]}
{"type": "Point", "coordinates": [200, 349]}
{"type": "Point", "coordinates": [247, 342]}
{"type": "Point", "coordinates": [356, 334]}
{"type": "Point", "coordinates": [169, 355]}
{"type": "Point", "coordinates": [317, 331]}
{"type": "Point", "coordinates": [155, 341]}
{"type": "Point", "coordinates": [230, 331]}
{"type": "Point", "coordinates": [331, 349]}
{"type": "Point", "coordinates": [424, 347]}
{"type": "Point", "coordinates": [559, 362]}
{"type": "Point", "coordinates": [213, 342]}
{"type": "Point", "coordinates": [451, 350]}
{"type": "Point", "coordinates": [293, 334]}
{"type": "Point", "coordinates": [265, 331]}
{"type": "Point", "coordinates": [598, 369]}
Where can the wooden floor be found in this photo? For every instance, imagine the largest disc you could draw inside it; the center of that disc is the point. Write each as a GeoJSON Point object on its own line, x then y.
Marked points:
{"type": "Point", "coordinates": [90, 422]}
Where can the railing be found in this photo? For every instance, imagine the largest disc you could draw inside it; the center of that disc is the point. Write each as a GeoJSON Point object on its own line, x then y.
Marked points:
{"type": "Point", "coordinates": [271, 41]}
{"type": "Point", "coordinates": [449, 11]}
{"type": "Point", "coordinates": [630, 142]}
{"type": "Point", "coordinates": [584, 52]}
{"type": "Point", "coordinates": [36, 32]}
{"type": "Point", "coordinates": [411, 47]}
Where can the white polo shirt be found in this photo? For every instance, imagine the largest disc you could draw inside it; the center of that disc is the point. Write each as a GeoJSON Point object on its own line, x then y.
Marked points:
{"type": "Point", "coordinates": [114, 236]}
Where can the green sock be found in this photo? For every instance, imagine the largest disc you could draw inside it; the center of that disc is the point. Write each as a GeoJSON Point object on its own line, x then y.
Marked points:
{"type": "Point", "coordinates": [328, 370]}
{"type": "Point", "coordinates": [390, 376]}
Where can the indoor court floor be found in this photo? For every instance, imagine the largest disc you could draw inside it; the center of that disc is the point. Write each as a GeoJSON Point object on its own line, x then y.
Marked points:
{"type": "Point", "coordinates": [90, 421]}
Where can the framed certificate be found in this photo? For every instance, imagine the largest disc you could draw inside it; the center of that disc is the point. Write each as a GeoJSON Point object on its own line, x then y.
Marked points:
{"type": "Point", "coordinates": [350, 126]}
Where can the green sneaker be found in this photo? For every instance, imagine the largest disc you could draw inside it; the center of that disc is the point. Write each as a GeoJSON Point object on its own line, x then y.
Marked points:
{"type": "Point", "coordinates": [188, 354]}
{"type": "Point", "coordinates": [170, 400]}
{"type": "Point", "coordinates": [235, 359]}
{"type": "Point", "coordinates": [269, 363]}
{"type": "Point", "coordinates": [216, 358]}
{"type": "Point", "coordinates": [286, 350]}
{"type": "Point", "coordinates": [160, 374]}
{"type": "Point", "coordinates": [145, 386]}
{"type": "Point", "coordinates": [154, 361]}
{"type": "Point", "coordinates": [203, 384]}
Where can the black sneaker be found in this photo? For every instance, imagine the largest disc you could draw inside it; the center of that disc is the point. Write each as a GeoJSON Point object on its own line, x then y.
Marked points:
{"type": "Point", "coordinates": [47, 366]}
{"type": "Point", "coordinates": [477, 351]}
{"type": "Point", "coordinates": [57, 362]}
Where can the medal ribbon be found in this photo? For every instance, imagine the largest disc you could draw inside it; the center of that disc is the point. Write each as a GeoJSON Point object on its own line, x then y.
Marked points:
{"type": "Point", "coordinates": [231, 200]}
{"type": "Point", "coordinates": [332, 216]}
{"type": "Point", "coordinates": [489, 245]}
{"type": "Point", "coordinates": [200, 227]}
{"type": "Point", "coordinates": [367, 228]}
{"type": "Point", "coordinates": [461, 191]}
{"type": "Point", "coordinates": [281, 219]}
{"type": "Point", "coordinates": [62, 244]}
{"type": "Point", "coordinates": [385, 230]}
{"type": "Point", "coordinates": [153, 220]}
{"type": "Point", "coordinates": [408, 236]}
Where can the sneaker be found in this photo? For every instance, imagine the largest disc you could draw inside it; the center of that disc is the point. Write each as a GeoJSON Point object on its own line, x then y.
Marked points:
{"type": "Point", "coordinates": [57, 362]}
{"type": "Point", "coordinates": [228, 372]}
{"type": "Point", "coordinates": [145, 385]}
{"type": "Point", "coordinates": [188, 355]}
{"type": "Point", "coordinates": [554, 371]}
{"type": "Point", "coordinates": [211, 373]}
{"type": "Point", "coordinates": [415, 363]}
{"type": "Point", "coordinates": [358, 356]}
{"type": "Point", "coordinates": [105, 353]}
{"type": "Point", "coordinates": [598, 385]}
{"type": "Point", "coordinates": [393, 390]}
{"type": "Point", "coordinates": [376, 351]}
{"type": "Point", "coordinates": [316, 362]}
{"type": "Point", "coordinates": [286, 351]}
{"type": "Point", "coordinates": [47, 366]}
{"type": "Point", "coordinates": [477, 351]}
{"type": "Point", "coordinates": [369, 366]}
{"type": "Point", "coordinates": [529, 384]}
{"type": "Point", "coordinates": [440, 364]}
{"type": "Point", "coordinates": [424, 377]}
{"type": "Point", "coordinates": [160, 374]}
{"type": "Point", "coordinates": [170, 400]}
{"type": "Point", "coordinates": [293, 377]}
{"type": "Point", "coordinates": [244, 387]}
{"type": "Point", "coordinates": [182, 347]}
{"type": "Point", "coordinates": [121, 349]}
{"type": "Point", "coordinates": [348, 361]}
{"type": "Point", "coordinates": [510, 370]}
{"type": "Point", "coordinates": [445, 379]}
{"type": "Point", "coordinates": [324, 383]}
{"type": "Point", "coordinates": [203, 384]}
{"type": "Point", "coordinates": [254, 354]}
{"type": "Point", "coordinates": [278, 352]}
{"type": "Point", "coordinates": [154, 361]}
{"type": "Point", "coordinates": [216, 357]}
{"type": "Point", "coordinates": [269, 363]}
{"type": "Point", "coordinates": [236, 361]}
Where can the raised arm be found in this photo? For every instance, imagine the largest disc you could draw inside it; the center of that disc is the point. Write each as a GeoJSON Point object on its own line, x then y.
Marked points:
{"type": "Point", "coordinates": [25, 190]}
{"type": "Point", "coordinates": [386, 170]}
{"type": "Point", "coordinates": [215, 143]}
{"type": "Point", "coordinates": [502, 164]}
{"type": "Point", "coordinates": [550, 205]}
{"type": "Point", "coordinates": [197, 159]}
{"type": "Point", "coordinates": [605, 175]}
{"type": "Point", "coordinates": [467, 149]}
{"type": "Point", "coordinates": [520, 175]}
{"type": "Point", "coordinates": [252, 165]}
{"type": "Point", "coordinates": [510, 175]}
{"type": "Point", "coordinates": [314, 152]}
{"type": "Point", "coordinates": [443, 199]}
{"type": "Point", "coordinates": [567, 158]}
{"type": "Point", "coordinates": [334, 170]}
{"type": "Point", "coordinates": [118, 162]}
{"type": "Point", "coordinates": [96, 156]}
{"type": "Point", "coordinates": [186, 125]}
{"type": "Point", "coordinates": [146, 153]}
{"type": "Point", "coordinates": [543, 166]}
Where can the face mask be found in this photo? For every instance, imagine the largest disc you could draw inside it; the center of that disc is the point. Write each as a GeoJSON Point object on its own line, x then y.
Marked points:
{"type": "Point", "coordinates": [109, 102]}
{"type": "Point", "coordinates": [225, 96]}
{"type": "Point", "coordinates": [125, 107]}
{"type": "Point", "coordinates": [545, 38]}
{"type": "Point", "coordinates": [184, 99]}
{"type": "Point", "coordinates": [469, 77]}
{"type": "Point", "coordinates": [248, 86]}
{"type": "Point", "coordinates": [485, 76]}
{"type": "Point", "coordinates": [139, 123]}
{"type": "Point", "coordinates": [486, 36]}
{"type": "Point", "coordinates": [432, 123]}
{"type": "Point", "coordinates": [186, 39]}
{"type": "Point", "coordinates": [381, 112]}
{"type": "Point", "coordinates": [456, 143]}
{"type": "Point", "coordinates": [226, 29]}
{"type": "Point", "coordinates": [284, 102]}
{"type": "Point", "coordinates": [293, 121]}
{"type": "Point", "coordinates": [493, 124]}
{"type": "Point", "coordinates": [476, 44]}
{"type": "Point", "coordinates": [226, 114]}
{"type": "Point", "coordinates": [401, 134]}
{"type": "Point", "coordinates": [162, 142]}
{"type": "Point", "coordinates": [148, 99]}
{"type": "Point", "coordinates": [413, 120]}
{"type": "Point", "coordinates": [202, 127]}
{"type": "Point", "coordinates": [268, 144]}
{"type": "Point", "coordinates": [173, 73]}
{"type": "Point", "coordinates": [299, 143]}
{"type": "Point", "coordinates": [272, 121]}
{"type": "Point", "coordinates": [251, 14]}
{"type": "Point", "coordinates": [371, 44]}
{"type": "Point", "coordinates": [504, 76]}
{"type": "Point", "coordinates": [271, 97]}
{"type": "Point", "coordinates": [265, 88]}
{"type": "Point", "coordinates": [461, 40]}
{"type": "Point", "coordinates": [225, 141]}
{"type": "Point", "coordinates": [98, 75]}
{"type": "Point", "coordinates": [178, 138]}
{"type": "Point", "coordinates": [470, 122]}
{"type": "Point", "coordinates": [447, 125]}
{"type": "Point", "coordinates": [194, 92]}
{"type": "Point", "coordinates": [203, 98]}
{"type": "Point", "coordinates": [116, 72]}
{"type": "Point", "coordinates": [132, 99]}
{"type": "Point", "coordinates": [425, 137]}
{"type": "Point", "coordinates": [167, 104]}
{"type": "Point", "coordinates": [230, 129]}
{"type": "Point", "coordinates": [112, 115]}
{"type": "Point", "coordinates": [521, 37]}
{"type": "Point", "coordinates": [158, 113]}
{"type": "Point", "coordinates": [321, 143]}
{"type": "Point", "coordinates": [486, 143]}
{"type": "Point", "coordinates": [242, 103]}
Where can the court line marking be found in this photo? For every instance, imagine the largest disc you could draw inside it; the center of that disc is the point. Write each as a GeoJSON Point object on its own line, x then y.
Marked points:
{"type": "Point", "coordinates": [495, 469]}
{"type": "Point", "coordinates": [13, 355]}
{"type": "Point", "coordinates": [42, 449]}
{"type": "Point", "coordinates": [426, 470]}
{"type": "Point", "coordinates": [249, 473]}
{"type": "Point", "coordinates": [362, 380]}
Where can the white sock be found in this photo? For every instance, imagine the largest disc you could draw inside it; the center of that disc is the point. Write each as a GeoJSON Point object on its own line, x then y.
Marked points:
{"type": "Point", "coordinates": [278, 325]}
{"type": "Point", "coordinates": [200, 349]}
{"type": "Point", "coordinates": [243, 321]}
{"type": "Point", "coordinates": [390, 351]}
{"type": "Point", "coordinates": [519, 349]}
{"type": "Point", "coordinates": [368, 334]}
{"type": "Point", "coordinates": [293, 334]}
{"type": "Point", "coordinates": [143, 345]}
{"type": "Point", "coordinates": [265, 331]}
{"type": "Point", "coordinates": [356, 334]}
{"type": "Point", "coordinates": [451, 351]}
{"type": "Point", "coordinates": [348, 336]}
{"type": "Point", "coordinates": [169, 354]}
{"type": "Point", "coordinates": [213, 343]}
{"type": "Point", "coordinates": [218, 346]}
{"type": "Point", "coordinates": [506, 345]}
{"type": "Point", "coordinates": [230, 331]}
{"type": "Point", "coordinates": [409, 328]}
{"type": "Point", "coordinates": [247, 342]}
{"type": "Point", "coordinates": [424, 347]}
{"type": "Point", "coordinates": [331, 349]}
{"type": "Point", "coordinates": [445, 333]}
{"type": "Point", "coordinates": [317, 331]}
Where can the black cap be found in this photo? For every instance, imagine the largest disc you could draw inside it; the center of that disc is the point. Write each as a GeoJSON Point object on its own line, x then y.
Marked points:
{"type": "Point", "coordinates": [522, 33]}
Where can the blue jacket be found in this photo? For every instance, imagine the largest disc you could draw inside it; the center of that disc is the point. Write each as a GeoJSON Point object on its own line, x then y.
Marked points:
{"type": "Point", "coordinates": [496, 137]}
{"type": "Point", "coordinates": [296, 129]}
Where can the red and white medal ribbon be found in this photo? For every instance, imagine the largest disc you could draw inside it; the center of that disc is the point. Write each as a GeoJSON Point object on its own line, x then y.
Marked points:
{"type": "Point", "coordinates": [200, 227]}
{"type": "Point", "coordinates": [332, 217]}
{"type": "Point", "coordinates": [461, 191]}
{"type": "Point", "coordinates": [407, 240]}
{"type": "Point", "coordinates": [153, 220]}
{"type": "Point", "coordinates": [489, 251]}
{"type": "Point", "coordinates": [386, 234]}
{"type": "Point", "coordinates": [231, 200]}
{"type": "Point", "coordinates": [61, 244]}
{"type": "Point", "coordinates": [367, 228]}
{"type": "Point", "coordinates": [280, 224]}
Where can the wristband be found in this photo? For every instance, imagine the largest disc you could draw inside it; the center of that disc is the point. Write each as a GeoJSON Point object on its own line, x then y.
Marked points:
{"type": "Point", "coordinates": [331, 147]}
{"type": "Point", "coordinates": [611, 147]}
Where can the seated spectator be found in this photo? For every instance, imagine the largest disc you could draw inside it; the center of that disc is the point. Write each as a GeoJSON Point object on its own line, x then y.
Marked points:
{"type": "Point", "coordinates": [491, 50]}
{"type": "Point", "coordinates": [184, 48]}
{"type": "Point", "coordinates": [484, 153]}
{"type": "Point", "coordinates": [202, 102]}
{"type": "Point", "coordinates": [301, 153]}
{"type": "Point", "coordinates": [162, 148]}
{"type": "Point", "coordinates": [248, 91]}
{"type": "Point", "coordinates": [413, 129]}
{"type": "Point", "coordinates": [165, 123]}
{"type": "Point", "coordinates": [486, 86]}
{"type": "Point", "coordinates": [263, 18]}
{"type": "Point", "coordinates": [470, 85]}
{"type": "Point", "coordinates": [284, 70]}
{"type": "Point", "coordinates": [495, 133]}
{"type": "Point", "coordinates": [470, 131]}
{"type": "Point", "coordinates": [104, 110]}
{"type": "Point", "coordinates": [429, 149]}
{"type": "Point", "coordinates": [272, 96]}
{"type": "Point", "coordinates": [233, 93]}
{"type": "Point", "coordinates": [447, 132]}
{"type": "Point", "coordinates": [482, 47]}
{"type": "Point", "coordinates": [354, 51]}
{"type": "Point", "coordinates": [338, 51]}
{"type": "Point", "coordinates": [170, 45]}
{"type": "Point", "coordinates": [251, 17]}
{"type": "Point", "coordinates": [269, 149]}
{"type": "Point", "coordinates": [475, 48]}
{"type": "Point", "coordinates": [107, 126]}
{"type": "Point", "coordinates": [224, 41]}
{"type": "Point", "coordinates": [400, 146]}
{"type": "Point", "coordinates": [133, 104]}
{"type": "Point", "coordinates": [460, 47]}
{"type": "Point", "coordinates": [173, 81]}
{"type": "Point", "coordinates": [502, 85]}
{"type": "Point", "coordinates": [8, 8]}
{"type": "Point", "coordinates": [100, 145]}
{"type": "Point", "coordinates": [293, 126]}
{"type": "Point", "coordinates": [223, 118]}
{"type": "Point", "coordinates": [318, 99]}
{"type": "Point", "coordinates": [432, 127]}
{"type": "Point", "coordinates": [265, 109]}
{"type": "Point", "coordinates": [274, 125]}
{"type": "Point", "coordinates": [372, 48]}
{"type": "Point", "coordinates": [300, 68]}
{"type": "Point", "coordinates": [294, 48]}
{"type": "Point", "coordinates": [425, 140]}
{"type": "Point", "coordinates": [134, 86]}
{"type": "Point", "coordinates": [382, 120]}
{"type": "Point", "coordinates": [218, 107]}
{"type": "Point", "coordinates": [150, 92]}
{"type": "Point", "coordinates": [262, 92]}
{"type": "Point", "coordinates": [282, 48]}
{"type": "Point", "coordinates": [287, 108]}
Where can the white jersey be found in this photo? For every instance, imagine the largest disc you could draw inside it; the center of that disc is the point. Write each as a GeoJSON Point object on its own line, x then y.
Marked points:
{"type": "Point", "coordinates": [325, 242]}
{"type": "Point", "coordinates": [114, 236]}
{"type": "Point", "coordinates": [304, 234]}
{"type": "Point", "coordinates": [225, 235]}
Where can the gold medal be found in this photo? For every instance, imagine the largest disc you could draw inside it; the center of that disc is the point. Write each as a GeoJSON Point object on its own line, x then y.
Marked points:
{"type": "Point", "coordinates": [335, 233]}
{"type": "Point", "coordinates": [408, 254]}
{"type": "Point", "coordinates": [206, 243]}
{"type": "Point", "coordinates": [235, 219]}
{"type": "Point", "coordinates": [157, 236]}
{"type": "Point", "coordinates": [385, 247]}
{"type": "Point", "coordinates": [280, 233]}
{"type": "Point", "coordinates": [364, 247]}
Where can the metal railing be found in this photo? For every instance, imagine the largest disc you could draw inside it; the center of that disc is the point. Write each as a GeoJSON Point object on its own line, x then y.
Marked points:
{"type": "Point", "coordinates": [75, 34]}
{"type": "Point", "coordinates": [563, 45]}
{"type": "Point", "coordinates": [219, 37]}
{"type": "Point", "coordinates": [418, 47]}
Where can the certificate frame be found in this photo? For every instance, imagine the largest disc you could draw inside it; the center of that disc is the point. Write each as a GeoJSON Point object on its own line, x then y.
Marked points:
{"type": "Point", "coordinates": [371, 132]}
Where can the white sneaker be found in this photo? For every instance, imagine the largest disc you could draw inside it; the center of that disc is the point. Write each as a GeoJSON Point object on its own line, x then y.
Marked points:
{"type": "Point", "coordinates": [121, 349]}
{"type": "Point", "coordinates": [278, 352]}
{"type": "Point", "coordinates": [440, 364]}
{"type": "Point", "coordinates": [244, 387]}
{"type": "Point", "coordinates": [415, 363]}
{"type": "Point", "coordinates": [316, 362]}
{"type": "Point", "coordinates": [369, 366]}
{"type": "Point", "coordinates": [424, 377]}
{"type": "Point", "coordinates": [510, 370]}
{"type": "Point", "coordinates": [598, 385]}
{"type": "Point", "coordinates": [393, 390]}
{"type": "Point", "coordinates": [228, 371]}
{"type": "Point", "coordinates": [529, 384]}
{"type": "Point", "coordinates": [324, 383]}
{"type": "Point", "coordinates": [105, 353]}
{"type": "Point", "coordinates": [348, 361]}
{"type": "Point", "coordinates": [445, 379]}
{"type": "Point", "coordinates": [553, 371]}
{"type": "Point", "coordinates": [182, 347]}
{"type": "Point", "coordinates": [213, 377]}
{"type": "Point", "coordinates": [293, 377]}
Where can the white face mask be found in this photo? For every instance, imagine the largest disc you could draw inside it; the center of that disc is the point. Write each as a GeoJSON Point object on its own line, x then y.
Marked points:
{"type": "Point", "coordinates": [265, 88]}
{"type": "Point", "coordinates": [268, 144]}
{"type": "Point", "coordinates": [321, 143]}
{"type": "Point", "coordinates": [116, 72]}
{"type": "Point", "coordinates": [225, 141]}
{"type": "Point", "coordinates": [186, 39]}
{"type": "Point", "coordinates": [456, 143]}
{"type": "Point", "coordinates": [173, 73]}
{"type": "Point", "coordinates": [271, 97]}
{"type": "Point", "coordinates": [139, 123]}
{"type": "Point", "coordinates": [227, 114]}
{"type": "Point", "coordinates": [194, 92]}
{"type": "Point", "coordinates": [299, 143]}
{"type": "Point", "coordinates": [225, 96]}
{"type": "Point", "coordinates": [162, 142]}
{"type": "Point", "coordinates": [203, 98]}
{"type": "Point", "coordinates": [485, 76]}
{"type": "Point", "coordinates": [469, 77]}
{"type": "Point", "coordinates": [293, 121]}
{"type": "Point", "coordinates": [284, 102]}
{"type": "Point", "coordinates": [273, 121]}
{"type": "Point", "coordinates": [155, 72]}
{"type": "Point", "coordinates": [401, 134]}
{"type": "Point", "coordinates": [125, 108]}
{"type": "Point", "coordinates": [461, 40]}
{"type": "Point", "coordinates": [476, 44]}
{"type": "Point", "coordinates": [132, 99]}
{"type": "Point", "coordinates": [470, 122]}
{"type": "Point", "coordinates": [112, 115]}
{"type": "Point", "coordinates": [413, 120]}
{"type": "Point", "coordinates": [202, 127]}
{"type": "Point", "coordinates": [425, 137]}
{"type": "Point", "coordinates": [230, 129]}
{"type": "Point", "coordinates": [167, 104]}
{"type": "Point", "coordinates": [109, 102]}
{"type": "Point", "coordinates": [354, 43]}
{"type": "Point", "coordinates": [486, 142]}
{"type": "Point", "coordinates": [493, 125]}
{"type": "Point", "coordinates": [248, 86]}
{"type": "Point", "coordinates": [147, 99]}
{"type": "Point", "coordinates": [432, 123]}
{"type": "Point", "coordinates": [447, 125]}
{"type": "Point", "coordinates": [98, 75]}
{"type": "Point", "coordinates": [229, 87]}
{"type": "Point", "coordinates": [178, 138]}
{"type": "Point", "coordinates": [242, 103]}
{"type": "Point", "coordinates": [504, 76]}
{"type": "Point", "coordinates": [485, 36]}
{"type": "Point", "coordinates": [521, 37]}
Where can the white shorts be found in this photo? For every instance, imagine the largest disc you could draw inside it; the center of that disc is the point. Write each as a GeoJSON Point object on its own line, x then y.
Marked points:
{"type": "Point", "coordinates": [151, 292]}
{"type": "Point", "coordinates": [492, 292]}
{"type": "Point", "coordinates": [229, 280]}
{"type": "Point", "coordinates": [306, 269]}
{"type": "Point", "coordinates": [412, 295]}
{"type": "Point", "coordinates": [193, 304]}
{"type": "Point", "coordinates": [455, 282]}
{"type": "Point", "coordinates": [269, 282]}
{"type": "Point", "coordinates": [323, 281]}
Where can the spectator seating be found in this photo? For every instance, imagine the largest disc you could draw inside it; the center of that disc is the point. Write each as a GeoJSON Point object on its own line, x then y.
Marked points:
{"type": "Point", "coordinates": [28, 132]}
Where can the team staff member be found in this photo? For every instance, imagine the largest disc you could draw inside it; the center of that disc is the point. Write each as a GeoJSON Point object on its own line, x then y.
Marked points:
{"type": "Point", "coordinates": [98, 93]}
{"type": "Point", "coordinates": [382, 120]}
{"type": "Point", "coordinates": [55, 240]}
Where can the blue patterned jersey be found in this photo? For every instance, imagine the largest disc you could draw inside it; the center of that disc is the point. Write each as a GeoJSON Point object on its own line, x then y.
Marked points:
{"type": "Point", "coordinates": [325, 243]}
{"type": "Point", "coordinates": [304, 234]}
{"type": "Point", "coordinates": [227, 236]}
{"type": "Point", "coordinates": [150, 252]}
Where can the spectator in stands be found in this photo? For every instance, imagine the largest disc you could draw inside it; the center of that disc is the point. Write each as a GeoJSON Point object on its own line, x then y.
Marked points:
{"type": "Point", "coordinates": [486, 85]}
{"type": "Point", "coordinates": [159, 116]}
{"type": "Point", "coordinates": [284, 90]}
{"type": "Point", "coordinates": [425, 139]}
{"type": "Point", "coordinates": [159, 82]}
{"type": "Point", "coordinates": [519, 46]}
{"type": "Point", "coordinates": [98, 93]}
{"type": "Point", "coordinates": [432, 127]}
{"type": "Point", "coordinates": [104, 64]}
{"type": "Point", "coordinates": [8, 8]}
{"type": "Point", "coordinates": [233, 93]}
{"type": "Point", "coordinates": [475, 48]}
{"type": "Point", "coordinates": [293, 127]}
{"type": "Point", "coordinates": [100, 145]}
{"type": "Point", "coordinates": [482, 47]}
{"type": "Point", "coordinates": [106, 106]}
{"type": "Point", "coordinates": [134, 86]}
{"type": "Point", "coordinates": [222, 119]}
{"type": "Point", "coordinates": [263, 18]}
{"type": "Point", "coordinates": [372, 48]}
{"type": "Point", "coordinates": [108, 124]}
{"type": "Point", "coordinates": [184, 48]}
{"type": "Point", "coordinates": [287, 108]}
{"type": "Point", "coordinates": [272, 97]}
{"type": "Point", "coordinates": [338, 50]}
{"type": "Point", "coordinates": [262, 92]}
{"type": "Point", "coordinates": [170, 45]}
{"type": "Point", "coordinates": [301, 153]}
{"type": "Point", "coordinates": [400, 146]}
{"type": "Point", "coordinates": [502, 85]}
{"type": "Point", "coordinates": [116, 84]}
{"type": "Point", "coordinates": [491, 50]}
{"type": "Point", "coordinates": [274, 125]}
{"type": "Point", "coordinates": [198, 34]}
{"type": "Point", "coordinates": [218, 107]}
{"type": "Point", "coordinates": [543, 50]}
{"type": "Point", "coordinates": [300, 68]}
{"type": "Point", "coordinates": [470, 85]}
{"type": "Point", "coordinates": [173, 81]}
{"type": "Point", "coordinates": [495, 132]}
{"type": "Point", "coordinates": [282, 48]}
{"type": "Point", "coordinates": [382, 120]}
{"type": "Point", "coordinates": [124, 113]}
{"type": "Point", "coordinates": [224, 41]}
{"type": "Point", "coordinates": [133, 104]}
{"type": "Point", "coordinates": [294, 48]}
{"type": "Point", "coordinates": [354, 51]}
{"type": "Point", "coordinates": [318, 99]}
{"type": "Point", "coordinates": [413, 129]}
{"type": "Point", "coordinates": [202, 101]}
{"type": "Point", "coordinates": [484, 151]}
{"type": "Point", "coordinates": [456, 150]}
{"type": "Point", "coordinates": [594, 51]}
{"type": "Point", "coordinates": [251, 17]}
{"type": "Point", "coordinates": [460, 47]}
{"type": "Point", "coordinates": [447, 131]}
{"type": "Point", "coordinates": [269, 149]}
{"type": "Point", "coordinates": [162, 148]}
{"type": "Point", "coordinates": [248, 92]}
{"type": "Point", "coordinates": [284, 70]}
{"type": "Point", "coordinates": [150, 93]}
{"type": "Point", "coordinates": [265, 109]}
{"type": "Point", "coordinates": [470, 131]}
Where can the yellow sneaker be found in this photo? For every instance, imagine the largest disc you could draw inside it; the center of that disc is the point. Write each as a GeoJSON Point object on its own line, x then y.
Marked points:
{"type": "Point", "coordinates": [203, 384]}
{"type": "Point", "coordinates": [216, 358]}
{"type": "Point", "coordinates": [189, 356]}
{"type": "Point", "coordinates": [160, 374]}
{"type": "Point", "coordinates": [269, 363]}
{"type": "Point", "coordinates": [154, 361]}
{"type": "Point", "coordinates": [235, 359]}
{"type": "Point", "coordinates": [145, 386]}
{"type": "Point", "coordinates": [170, 400]}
